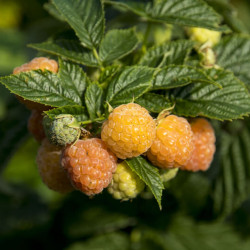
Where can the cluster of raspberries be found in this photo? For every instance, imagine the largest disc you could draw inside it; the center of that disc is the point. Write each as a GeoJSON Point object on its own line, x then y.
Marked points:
{"type": "Point", "coordinates": [66, 161]}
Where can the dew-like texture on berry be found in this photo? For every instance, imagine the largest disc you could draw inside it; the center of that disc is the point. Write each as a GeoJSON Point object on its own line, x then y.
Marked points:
{"type": "Point", "coordinates": [173, 144]}
{"type": "Point", "coordinates": [90, 165]}
{"type": "Point", "coordinates": [125, 184]}
{"type": "Point", "coordinates": [204, 146]}
{"type": "Point", "coordinates": [37, 63]}
{"type": "Point", "coordinates": [62, 129]}
{"type": "Point", "coordinates": [35, 125]}
{"type": "Point", "coordinates": [129, 131]}
{"type": "Point", "coordinates": [50, 169]}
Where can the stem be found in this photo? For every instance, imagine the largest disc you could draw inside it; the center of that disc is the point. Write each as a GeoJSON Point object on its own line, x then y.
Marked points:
{"type": "Point", "coordinates": [91, 121]}
{"type": "Point", "coordinates": [146, 35]}
{"type": "Point", "coordinates": [98, 58]}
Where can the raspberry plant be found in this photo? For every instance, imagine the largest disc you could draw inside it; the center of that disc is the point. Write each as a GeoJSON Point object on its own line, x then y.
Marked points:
{"type": "Point", "coordinates": [155, 61]}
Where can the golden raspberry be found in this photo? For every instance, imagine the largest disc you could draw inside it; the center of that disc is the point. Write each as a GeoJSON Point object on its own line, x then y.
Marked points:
{"type": "Point", "coordinates": [129, 131]}
{"type": "Point", "coordinates": [173, 144]}
{"type": "Point", "coordinates": [48, 162]}
{"type": "Point", "coordinates": [204, 146]}
{"type": "Point", "coordinates": [90, 165]}
{"type": "Point", "coordinates": [125, 184]}
{"type": "Point", "coordinates": [37, 63]}
{"type": "Point", "coordinates": [202, 35]}
{"type": "Point", "coordinates": [35, 125]}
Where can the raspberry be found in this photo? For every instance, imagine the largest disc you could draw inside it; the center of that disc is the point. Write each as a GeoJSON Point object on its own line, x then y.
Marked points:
{"type": "Point", "coordinates": [35, 125]}
{"type": "Point", "coordinates": [62, 129]}
{"type": "Point", "coordinates": [173, 144]}
{"type": "Point", "coordinates": [125, 183]}
{"type": "Point", "coordinates": [204, 146]}
{"type": "Point", "coordinates": [89, 165]}
{"type": "Point", "coordinates": [129, 130]}
{"type": "Point", "coordinates": [37, 63]}
{"type": "Point", "coordinates": [202, 35]}
{"type": "Point", "coordinates": [48, 162]}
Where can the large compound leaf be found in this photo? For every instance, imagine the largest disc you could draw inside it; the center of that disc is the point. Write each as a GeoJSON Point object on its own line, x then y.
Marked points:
{"type": "Point", "coordinates": [129, 84]}
{"type": "Point", "coordinates": [182, 12]}
{"type": "Point", "coordinates": [233, 53]}
{"type": "Point", "coordinates": [117, 44]}
{"type": "Point", "coordinates": [73, 78]}
{"type": "Point", "coordinates": [176, 76]}
{"type": "Point", "coordinates": [154, 103]}
{"type": "Point", "coordinates": [64, 88]}
{"type": "Point", "coordinates": [79, 112]}
{"type": "Point", "coordinates": [85, 17]}
{"type": "Point", "coordinates": [94, 100]}
{"type": "Point", "coordinates": [174, 52]}
{"type": "Point", "coordinates": [232, 101]}
{"type": "Point", "coordinates": [68, 49]}
{"type": "Point", "coordinates": [149, 174]}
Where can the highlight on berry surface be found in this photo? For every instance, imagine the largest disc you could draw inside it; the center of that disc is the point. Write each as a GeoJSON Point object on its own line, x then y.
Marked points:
{"type": "Point", "coordinates": [173, 144]}
{"type": "Point", "coordinates": [129, 131]}
{"type": "Point", "coordinates": [89, 164]}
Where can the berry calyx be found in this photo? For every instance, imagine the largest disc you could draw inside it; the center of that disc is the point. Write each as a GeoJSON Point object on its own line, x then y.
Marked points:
{"type": "Point", "coordinates": [89, 165]}
{"type": "Point", "coordinates": [173, 144]}
{"type": "Point", "coordinates": [204, 146]}
{"type": "Point", "coordinates": [50, 169]}
{"type": "Point", "coordinates": [62, 129]}
{"type": "Point", "coordinates": [35, 125]}
{"type": "Point", "coordinates": [125, 184]}
{"type": "Point", "coordinates": [129, 131]}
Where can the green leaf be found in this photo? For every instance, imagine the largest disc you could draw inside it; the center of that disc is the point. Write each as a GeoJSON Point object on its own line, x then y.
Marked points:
{"type": "Point", "coordinates": [85, 17]}
{"type": "Point", "coordinates": [117, 44]}
{"type": "Point", "coordinates": [176, 76]}
{"type": "Point", "coordinates": [94, 100]}
{"type": "Point", "coordinates": [53, 11]}
{"type": "Point", "coordinates": [154, 103]}
{"type": "Point", "coordinates": [174, 52]}
{"type": "Point", "coordinates": [233, 53]}
{"type": "Point", "coordinates": [202, 99]}
{"type": "Point", "coordinates": [64, 88]}
{"type": "Point", "coordinates": [107, 73]}
{"type": "Point", "coordinates": [79, 112]}
{"type": "Point", "coordinates": [181, 12]}
{"type": "Point", "coordinates": [73, 78]}
{"type": "Point", "coordinates": [129, 84]}
{"type": "Point", "coordinates": [68, 49]}
{"type": "Point", "coordinates": [149, 174]}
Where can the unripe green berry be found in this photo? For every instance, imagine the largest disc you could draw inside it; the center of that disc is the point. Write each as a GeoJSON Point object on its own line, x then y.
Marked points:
{"type": "Point", "coordinates": [125, 184]}
{"type": "Point", "coordinates": [62, 129]}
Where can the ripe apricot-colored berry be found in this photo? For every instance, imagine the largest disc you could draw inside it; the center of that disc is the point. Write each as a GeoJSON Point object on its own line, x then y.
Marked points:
{"type": "Point", "coordinates": [173, 144]}
{"type": "Point", "coordinates": [50, 169]}
{"type": "Point", "coordinates": [37, 63]}
{"type": "Point", "coordinates": [35, 125]}
{"type": "Point", "coordinates": [129, 130]}
{"type": "Point", "coordinates": [204, 146]}
{"type": "Point", "coordinates": [89, 164]}
{"type": "Point", "coordinates": [125, 184]}
{"type": "Point", "coordinates": [202, 35]}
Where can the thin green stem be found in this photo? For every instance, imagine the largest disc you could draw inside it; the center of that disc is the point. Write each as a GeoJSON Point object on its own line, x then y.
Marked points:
{"type": "Point", "coordinates": [146, 35]}
{"type": "Point", "coordinates": [91, 121]}
{"type": "Point", "coordinates": [98, 58]}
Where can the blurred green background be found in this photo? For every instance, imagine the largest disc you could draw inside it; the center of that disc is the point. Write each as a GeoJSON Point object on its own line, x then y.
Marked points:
{"type": "Point", "coordinates": [34, 217]}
